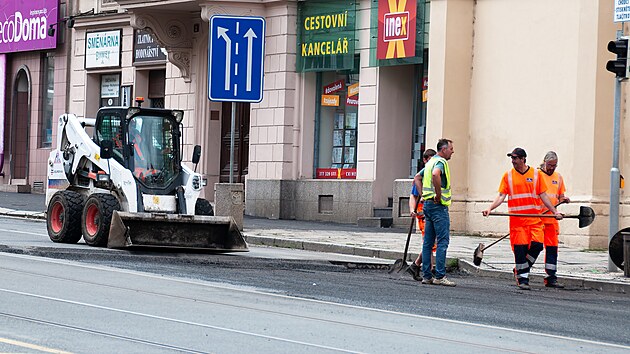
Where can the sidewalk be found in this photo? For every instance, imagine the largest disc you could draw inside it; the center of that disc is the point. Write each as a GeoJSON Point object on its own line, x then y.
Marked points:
{"type": "Point", "coordinates": [576, 267]}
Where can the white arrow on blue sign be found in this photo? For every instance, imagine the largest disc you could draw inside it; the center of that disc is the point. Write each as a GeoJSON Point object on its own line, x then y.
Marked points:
{"type": "Point", "coordinates": [236, 51]}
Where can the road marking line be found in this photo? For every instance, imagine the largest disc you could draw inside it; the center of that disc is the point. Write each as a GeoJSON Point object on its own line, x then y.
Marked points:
{"type": "Point", "coordinates": [23, 232]}
{"type": "Point", "coordinates": [32, 346]}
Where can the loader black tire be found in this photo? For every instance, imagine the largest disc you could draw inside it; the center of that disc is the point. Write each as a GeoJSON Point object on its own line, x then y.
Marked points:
{"type": "Point", "coordinates": [63, 217]}
{"type": "Point", "coordinates": [97, 217]}
{"type": "Point", "coordinates": [203, 207]}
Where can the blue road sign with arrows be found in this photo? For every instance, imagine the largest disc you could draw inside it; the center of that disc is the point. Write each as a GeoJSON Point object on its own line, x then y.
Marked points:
{"type": "Point", "coordinates": [236, 47]}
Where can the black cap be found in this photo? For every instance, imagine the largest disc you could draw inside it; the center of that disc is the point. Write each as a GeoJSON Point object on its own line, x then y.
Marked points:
{"type": "Point", "coordinates": [517, 152]}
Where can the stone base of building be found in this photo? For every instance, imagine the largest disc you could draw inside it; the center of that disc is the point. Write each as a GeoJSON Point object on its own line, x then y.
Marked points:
{"type": "Point", "coordinates": [15, 188]}
{"type": "Point", "coordinates": [342, 201]}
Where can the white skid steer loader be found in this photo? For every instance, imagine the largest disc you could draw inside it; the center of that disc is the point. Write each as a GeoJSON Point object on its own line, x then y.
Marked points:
{"type": "Point", "coordinates": [127, 186]}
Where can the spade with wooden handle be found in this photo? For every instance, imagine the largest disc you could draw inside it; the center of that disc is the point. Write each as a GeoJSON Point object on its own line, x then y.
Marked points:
{"type": "Point", "coordinates": [585, 217]}
{"type": "Point", "coordinates": [478, 254]}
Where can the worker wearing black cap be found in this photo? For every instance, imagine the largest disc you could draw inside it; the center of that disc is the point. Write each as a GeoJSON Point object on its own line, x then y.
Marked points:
{"type": "Point", "coordinates": [524, 186]}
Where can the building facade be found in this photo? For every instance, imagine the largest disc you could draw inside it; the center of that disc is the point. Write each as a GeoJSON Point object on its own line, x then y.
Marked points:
{"type": "Point", "coordinates": [354, 91]}
{"type": "Point", "coordinates": [32, 90]}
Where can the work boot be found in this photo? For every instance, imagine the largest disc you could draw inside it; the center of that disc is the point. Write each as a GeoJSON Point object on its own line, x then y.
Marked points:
{"type": "Point", "coordinates": [515, 277]}
{"type": "Point", "coordinates": [443, 281]}
{"type": "Point", "coordinates": [427, 281]}
{"type": "Point", "coordinates": [414, 270]}
{"type": "Point", "coordinates": [524, 286]}
{"type": "Point", "coordinates": [553, 284]}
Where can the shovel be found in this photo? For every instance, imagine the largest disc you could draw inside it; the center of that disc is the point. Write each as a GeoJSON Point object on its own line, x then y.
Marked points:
{"type": "Point", "coordinates": [585, 217]}
{"type": "Point", "coordinates": [478, 254]}
{"type": "Point", "coordinates": [401, 263]}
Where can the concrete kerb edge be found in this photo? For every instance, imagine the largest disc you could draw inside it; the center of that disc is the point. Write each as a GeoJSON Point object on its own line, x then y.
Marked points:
{"type": "Point", "coordinates": [23, 214]}
{"type": "Point", "coordinates": [607, 286]}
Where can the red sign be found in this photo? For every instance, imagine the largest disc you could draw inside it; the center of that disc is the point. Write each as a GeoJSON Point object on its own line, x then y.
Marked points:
{"type": "Point", "coordinates": [396, 29]}
{"type": "Point", "coordinates": [334, 87]}
{"type": "Point", "coordinates": [352, 101]}
{"type": "Point", "coordinates": [336, 173]}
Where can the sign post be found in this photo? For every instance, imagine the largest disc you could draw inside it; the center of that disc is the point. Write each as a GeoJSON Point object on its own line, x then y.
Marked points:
{"type": "Point", "coordinates": [236, 47]}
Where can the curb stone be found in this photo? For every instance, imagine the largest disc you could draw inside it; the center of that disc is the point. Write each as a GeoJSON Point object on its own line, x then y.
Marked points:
{"type": "Point", "coordinates": [606, 286]}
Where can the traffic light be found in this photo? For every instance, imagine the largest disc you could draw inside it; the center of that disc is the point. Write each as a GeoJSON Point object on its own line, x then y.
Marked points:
{"type": "Point", "coordinates": [619, 66]}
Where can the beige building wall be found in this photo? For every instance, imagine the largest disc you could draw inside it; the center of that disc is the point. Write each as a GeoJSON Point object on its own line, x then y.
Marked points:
{"type": "Point", "coordinates": [528, 74]}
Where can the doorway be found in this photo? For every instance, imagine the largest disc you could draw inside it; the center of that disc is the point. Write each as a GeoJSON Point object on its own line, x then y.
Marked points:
{"type": "Point", "coordinates": [19, 126]}
{"type": "Point", "coordinates": [241, 142]}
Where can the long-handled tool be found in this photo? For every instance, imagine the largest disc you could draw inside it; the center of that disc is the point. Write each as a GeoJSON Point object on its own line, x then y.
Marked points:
{"type": "Point", "coordinates": [585, 217]}
{"type": "Point", "coordinates": [401, 263]}
{"type": "Point", "coordinates": [478, 254]}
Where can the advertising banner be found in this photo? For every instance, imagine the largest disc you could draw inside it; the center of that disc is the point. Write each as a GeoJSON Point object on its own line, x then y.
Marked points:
{"type": "Point", "coordinates": [326, 35]}
{"type": "Point", "coordinates": [24, 25]}
{"type": "Point", "coordinates": [330, 100]}
{"type": "Point", "coordinates": [396, 29]}
{"type": "Point", "coordinates": [336, 173]}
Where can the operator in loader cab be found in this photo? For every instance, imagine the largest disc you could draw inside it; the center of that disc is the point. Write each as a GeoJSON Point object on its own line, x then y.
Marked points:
{"type": "Point", "coordinates": [142, 166]}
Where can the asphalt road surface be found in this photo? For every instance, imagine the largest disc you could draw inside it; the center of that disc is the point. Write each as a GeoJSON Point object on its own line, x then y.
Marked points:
{"type": "Point", "coordinates": [88, 299]}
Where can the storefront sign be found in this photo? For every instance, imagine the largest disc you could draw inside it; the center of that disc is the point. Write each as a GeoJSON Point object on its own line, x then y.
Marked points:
{"type": "Point", "coordinates": [326, 35]}
{"type": "Point", "coordinates": [146, 49]}
{"type": "Point", "coordinates": [336, 173]}
{"type": "Point", "coordinates": [110, 86]}
{"type": "Point", "coordinates": [334, 87]}
{"type": "Point", "coordinates": [24, 25]}
{"type": "Point", "coordinates": [352, 101]}
{"type": "Point", "coordinates": [396, 29]}
{"type": "Point", "coordinates": [353, 89]}
{"type": "Point", "coordinates": [330, 100]}
{"type": "Point", "coordinates": [102, 49]}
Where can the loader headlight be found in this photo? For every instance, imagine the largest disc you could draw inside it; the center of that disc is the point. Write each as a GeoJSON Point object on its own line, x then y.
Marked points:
{"type": "Point", "coordinates": [196, 182]}
{"type": "Point", "coordinates": [102, 177]}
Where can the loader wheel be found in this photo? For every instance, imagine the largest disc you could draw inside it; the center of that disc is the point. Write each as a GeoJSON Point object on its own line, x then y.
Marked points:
{"type": "Point", "coordinates": [203, 207]}
{"type": "Point", "coordinates": [97, 217]}
{"type": "Point", "coordinates": [63, 217]}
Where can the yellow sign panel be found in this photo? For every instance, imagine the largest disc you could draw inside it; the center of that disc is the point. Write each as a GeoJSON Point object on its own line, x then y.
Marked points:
{"type": "Point", "coordinates": [330, 100]}
{"type": "Point", "coordinates": [353, 89]}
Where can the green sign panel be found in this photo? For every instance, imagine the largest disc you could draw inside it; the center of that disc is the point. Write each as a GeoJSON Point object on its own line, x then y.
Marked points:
{"type": "Point", "coordinates": [325, 35]}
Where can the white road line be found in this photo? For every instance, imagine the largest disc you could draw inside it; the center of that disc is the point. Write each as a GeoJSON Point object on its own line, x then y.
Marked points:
{"type": "Point", "coordinates": [24, 232]}
{"type": "Point", "coordinates": [257, 292]}
{"type": "Point", "coordinates": [32, 346]}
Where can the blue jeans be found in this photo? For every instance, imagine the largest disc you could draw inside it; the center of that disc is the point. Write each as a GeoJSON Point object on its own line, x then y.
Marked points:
{"type": "Point", "coordinates": [437, 225]}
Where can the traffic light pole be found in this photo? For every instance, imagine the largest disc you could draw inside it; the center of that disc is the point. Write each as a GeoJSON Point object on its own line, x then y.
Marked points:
{"type": "Point", "coordinates": [614, 173]}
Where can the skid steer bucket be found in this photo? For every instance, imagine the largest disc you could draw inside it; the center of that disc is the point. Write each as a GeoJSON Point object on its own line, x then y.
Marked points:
{"type": "Point", "coordinates": [216, 233]}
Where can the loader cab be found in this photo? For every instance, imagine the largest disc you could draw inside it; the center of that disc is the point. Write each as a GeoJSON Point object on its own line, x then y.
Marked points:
{"type": "Point", "coordinates": [146, 141]}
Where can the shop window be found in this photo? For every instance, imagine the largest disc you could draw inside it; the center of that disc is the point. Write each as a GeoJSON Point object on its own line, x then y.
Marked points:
{"type": "Point", "coordinates": [337, 122]}
{"type": "Point", "coordinates": [157, 85]}
{"type": "Point", "coordinates": [48, 94]}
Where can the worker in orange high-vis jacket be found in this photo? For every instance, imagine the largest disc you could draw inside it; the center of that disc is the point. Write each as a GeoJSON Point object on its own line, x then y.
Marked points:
{"type": "Point", "coordinates": [555, 193]}
{"type": "Point", "coordinates": [524, 186]}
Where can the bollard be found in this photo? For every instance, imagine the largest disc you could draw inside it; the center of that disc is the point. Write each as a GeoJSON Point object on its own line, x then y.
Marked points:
{"type": "Point", "coordinates": [626, 254]}
{"type": "Point", "coordinates": [229, 201]}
